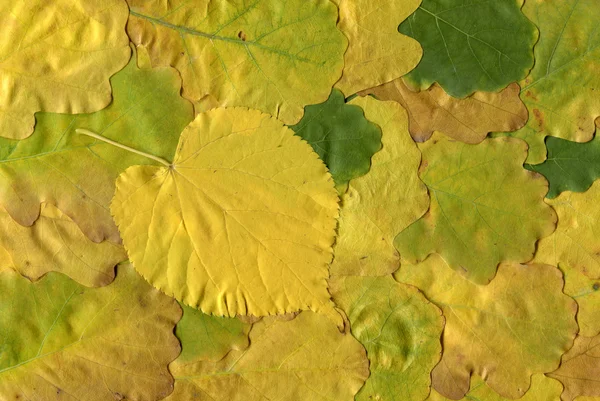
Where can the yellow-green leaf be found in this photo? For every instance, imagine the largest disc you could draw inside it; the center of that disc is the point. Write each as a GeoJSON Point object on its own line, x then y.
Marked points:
{"type": "Point", "coordinates": [57, 56]}
{"type": "Point", "coordinates": [380, 204]}
{"type": "Point", "coordinates": [209, 338]}
{"type": "Point", "coordinates": [241, 223]}
{"type": "Point", "coordinates": [77, 174]}
{"type": "Point", "coordinates": [468, 120]}
{"type": "Point", "coordinates": [485, 207]}
{"type": "Point", "coordinates": [377, 53]}
{"type": "Point", "coordinates": [306, 358]}
{"type": "Point", "coordinates": [517, 325]}
{"type": "Point", "coordinates": [268, 55]}
{"type": "Point", "coordinates": [55, 243]}
{"type": "Point", "coordinates": [63, 341]}
{"type": "Point", "coordinates": [542, 389]}
{"type": "Point", "coordinates": [400, 330]}
{"type": "Point", "coordinates": [561, 90]}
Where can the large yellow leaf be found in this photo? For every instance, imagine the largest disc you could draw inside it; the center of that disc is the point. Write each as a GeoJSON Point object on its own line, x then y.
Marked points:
{"type": "Point", "coordinates": [306, 358]}
{"type": "Point", "coordinates": [485, 207]}
{"type": "Point", "coordinates": [468, 120]}
{"type": "Point", "coordinates": [517, 325]}
{"type": "Point", "coordinates": [55, 243]}
{"type": "Point", "coordinates": [377, 53]}
{"type": "Point", "coordinates": [62, 341]}
{"type": "Point", "coordinates": [266, 54]}
{"type": "Point", "coordinates": [380, 204]}
{"type": "Point", "coordinates": [242, 222]}
{"type": "Point", "coordinates": [57, 56]}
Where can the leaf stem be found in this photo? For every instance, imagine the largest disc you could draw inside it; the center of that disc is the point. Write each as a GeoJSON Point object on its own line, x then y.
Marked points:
{"type": "Point", "coordinates": [120, 145]}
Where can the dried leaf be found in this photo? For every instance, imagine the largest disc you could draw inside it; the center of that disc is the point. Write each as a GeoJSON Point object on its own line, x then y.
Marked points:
{"type": "Point", "coordinates": [241, 223]}
{"type": "Point", "coordinates": [66, 341]}
{"type": "Point", "coordinates": [377, 53]}
{"type": "Point", "coordinates": [57, 56]}
{"type": "Point", "coordinates": [382, 203]}
{"type": "Point", "coordinates": [55, 243]}
{"type": "Point", "coordinates": [306, 358]}
{"type": "Point", "coordinates": [485, 208]}
{"type": "Point", "coordinates": [518, 325]}
{"type": "Point", "coordinates": [400, 330]}
{"type": "Point", "coordinates": [467, 120]}
{"type": "Point", "coordinates": [273, 56]}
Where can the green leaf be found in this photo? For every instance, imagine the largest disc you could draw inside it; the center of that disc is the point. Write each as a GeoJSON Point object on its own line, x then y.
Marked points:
{"type": "Point", "coordinates": [61, 340]}
{"type": "Point", "coordinates": [561, 92]}
{"type": "Point", "coordinates": [478, 45]}
{"type": "Point", "coordinates": [266, 54]}
{"type": "Point", "coordinates": [400, 330]}
{"type": "Point", "coordinates": [77, 174]}
{"type": "Point", "coordinates": [485, 207]}
{"type": "Point", "coordinates": [341, 135]}
{"type": "Point", "coordinates": [209, 338]}
{"type": "Point", "coordinates": [570, 166]}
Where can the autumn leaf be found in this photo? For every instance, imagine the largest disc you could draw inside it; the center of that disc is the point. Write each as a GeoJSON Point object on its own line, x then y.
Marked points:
{"type": "Point", "coordinates": [377, 53]}
{"type": "Point", "coordinates": [479, 45]}
{"type": "Point", "coordinates": [242, 222]}
{"type": "Point", "coordinates": [272, 56]}
{"type": "Point", "coordinates": [560, 92]}
{"type": "Point", "coordinates": [518, 325]}
{"type": "Point", "coordinates": [209, 338]}
{"type": "Point", "coordinates": [342, 137]}
{"type": "Point", "coordinates": [400, 330]}
{"type": "Point", "coordinates": [76, 173]}
{"type": "Point", "coordinates": [57, 56]}
{"type": "Point", "coordinates": [382, 203]}
{"type": "Point", "coordinates": [467, 120]}
{"type": "Point", "coordinates": [570, 166]}
{"type": "Point", "coordinates": [579, 369]}
{"type": "Point", "coordinates": [485, 208]}
{"type": "Point", "coordinates": [542, 389]}
{"type": "Point", "coordinates": [306, 358]}
{"type": "Point", "coordinates": [55, 243]}
{"type": "Point", "coordinates": [68, 341]}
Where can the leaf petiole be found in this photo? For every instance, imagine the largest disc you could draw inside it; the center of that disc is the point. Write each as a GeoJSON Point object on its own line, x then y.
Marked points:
{"type": "Point", "coordinates": [125, 147]}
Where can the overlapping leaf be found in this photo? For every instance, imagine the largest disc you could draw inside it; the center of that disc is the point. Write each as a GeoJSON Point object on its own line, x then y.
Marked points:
{"type": "Point", "coordinates": [57, 56]}
{"type": "Point", "coordinates": [518, 325]}
{"type": "Point", "coordinates": [382, 203]}
{"type": "Point", "coordinates": [61, 340]}
{"type": "Point", "coordinates": [342, 137]}
{"type": "Point", "coordinates": [76, 174]}
{"type": "Point", "coordinates": [561, 92]}
{"type": "Point", "coordinates": [377, 53]}
{"type": "Point", "coordinates": [241, 223]}
{"type": "Point", "coordinates": [306, 358]}
{"type": "Point", "coordinates": [485, 208]}
{"type": "Point", "coordinates": [468, 120]}
{"type": "Point", "coordinates": [478, 45]}
{"type": "Point", "coordinates": [400, 330]}
{"type": "Point", "coordinates": [265, 54]}
{"type": "Point", "coordinates": [55, 243]}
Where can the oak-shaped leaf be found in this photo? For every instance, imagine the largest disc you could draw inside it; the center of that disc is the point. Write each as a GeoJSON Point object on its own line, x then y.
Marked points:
{"type": "Point", "coordinates": [380, 204]}
{"type": "Point", "coordinates": [467, 120]}
{"type": "Point", "coordinates": [55, 243]}
{"type": "Point", "coordinates": [478, 45]}
{"type": "Point", "coordinates": [61, 340]}
{"type": "Point", "coordinates": [57, 56]}
{"type": "Point", "coordinates": [485, 207]}
{"type": "Point", "coordinates": [377, 53]}
{"type": "Point", "coordinates": [76, 173]}
{"type": "Point", "coordinates": [305, 358]}
{"type": "Point", "coordinates": [267, 55]}
{"type": "Point", "coordinates": [242, 222]}
{"type": "Point", "coordinates": [516, 326]}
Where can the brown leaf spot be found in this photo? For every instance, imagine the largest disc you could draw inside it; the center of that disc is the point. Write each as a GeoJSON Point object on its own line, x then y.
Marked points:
{"type": "Point", "coordinates": [537, 114]}
{"type": "Point", "coordinates": [596, 286]}
{"type": "Point", "coordinates": [242, 35]}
